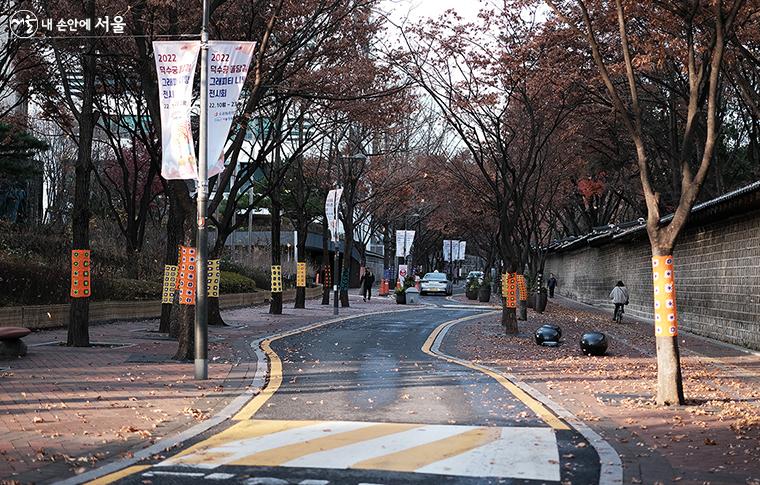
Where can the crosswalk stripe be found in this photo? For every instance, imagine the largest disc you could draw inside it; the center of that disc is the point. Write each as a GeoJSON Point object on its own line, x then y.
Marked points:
{"type": "Point", "coordinates": [411, 459]}
{"type": "Point", "coordinates": [236, 443]}
{"type": "Point", "coordinates": [459, 450]}
{"type": "Point", "coordinates": [347, 456]}
{"type": "Point", "coordinates": [278, 456]}
{"type": "Point", "coordinates": [527, 453]}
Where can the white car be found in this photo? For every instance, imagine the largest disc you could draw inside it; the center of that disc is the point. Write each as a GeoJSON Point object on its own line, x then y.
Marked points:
{"type": "Point", "coordinates": [475, 274]}
{"type": "Point", "coordinates": [436, 283]}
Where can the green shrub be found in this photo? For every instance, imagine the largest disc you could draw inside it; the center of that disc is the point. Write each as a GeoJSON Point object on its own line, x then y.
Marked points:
{"type": "Point", "coordinates": [260, 276]}
{"type": "Point", "coordinates": [124, 289]}
{"type": "Point", "coordinates": [235, 283]}
{"type": "Point", "coordinates": [32, 283]}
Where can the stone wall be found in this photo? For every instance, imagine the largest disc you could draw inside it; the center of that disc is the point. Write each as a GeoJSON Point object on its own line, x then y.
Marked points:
{"type": "Point", "coordinates": [717, 270]}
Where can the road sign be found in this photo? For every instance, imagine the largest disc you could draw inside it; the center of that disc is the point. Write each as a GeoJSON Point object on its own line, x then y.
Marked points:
{"type": "Point", "coordinates": [403, 271]}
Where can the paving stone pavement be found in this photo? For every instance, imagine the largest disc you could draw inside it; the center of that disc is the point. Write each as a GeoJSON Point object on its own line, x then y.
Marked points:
{"type": "Point", "coordinates": [65, 410]}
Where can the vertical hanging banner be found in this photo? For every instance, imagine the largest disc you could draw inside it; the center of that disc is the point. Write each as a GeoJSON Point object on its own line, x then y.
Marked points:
{"type": "Point", "coordinates": [228, 63]}
{"type": "Point", "coordinates": [170, 284]}
{"type": "Point", "coordinates": [213, 278]}
{"type": "Point", "coordinates": [301, 275]}
{"type": "Point", "coordinates": [450, 250]}
{"type": "Point", "coordinates": [665, 316]}
{"type": "Point", "coordinates": [462, 248]}
{"type": "Point", "coordinates": [404, 241]}
{"type": "Point", "coordinates": [175, 66]}
{"type": "Point", "coordinates": [332, 203]}
{"type": "Point", "coordinates": [186, 275]}
{"type": "Point", "coordinates": [80, 273]}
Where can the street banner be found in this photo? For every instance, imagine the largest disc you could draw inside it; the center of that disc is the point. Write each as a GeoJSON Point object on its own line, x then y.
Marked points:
{"type": "Point", "coordinates": [228, 63]}
{"type": "Point", "coordinates": [403, 272]}
{"type": "Point", "coordinates": [175, 66]}
{"type": "Point", "coordinates": [332, 205]}
{"type": "Point", "coordinates": [450, 250]}
{"type": "Point", "coordinates": [462, 248]}
{"type": "Point", "coordinates": [404, 240]}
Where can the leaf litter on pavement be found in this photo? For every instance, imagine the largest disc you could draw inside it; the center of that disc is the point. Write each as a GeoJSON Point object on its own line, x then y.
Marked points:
{"type": "Point", "coordinates": [715, 436]}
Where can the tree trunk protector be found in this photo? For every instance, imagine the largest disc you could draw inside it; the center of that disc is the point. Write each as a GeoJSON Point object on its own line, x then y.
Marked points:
{"type": "Point", "coordinates": [665, 316]}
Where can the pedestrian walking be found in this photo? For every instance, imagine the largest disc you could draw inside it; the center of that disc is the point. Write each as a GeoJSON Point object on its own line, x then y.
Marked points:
{"type": "Point", "coordinates": [552, 284]}
{"type": "Point", "coordinates": [367, 280]}
{"type": "Point", "coordinates": [619, 296]}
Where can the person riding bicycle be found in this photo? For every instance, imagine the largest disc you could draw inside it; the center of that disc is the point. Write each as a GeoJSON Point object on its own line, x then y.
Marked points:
{"type": "Point", "coordinates": [619, 296]}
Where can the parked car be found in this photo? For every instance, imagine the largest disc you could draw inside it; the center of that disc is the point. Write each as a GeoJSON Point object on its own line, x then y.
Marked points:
{"type": "Point", "coordinates": [475, 274]}
{"type": "Point", "coordinates": [436, 283]}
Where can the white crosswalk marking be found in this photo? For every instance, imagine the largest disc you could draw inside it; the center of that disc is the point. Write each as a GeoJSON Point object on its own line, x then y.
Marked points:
{"type": "Point", "coordinates": [346, 456]}
{"type": "Point", "coordinates": [468, 451]}
{"type": "Point", "coordinates": [530, 453]}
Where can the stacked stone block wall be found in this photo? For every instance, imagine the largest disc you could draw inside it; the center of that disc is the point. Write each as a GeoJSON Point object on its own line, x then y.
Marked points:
{"type": "Point", "coordinates": [717, 270]}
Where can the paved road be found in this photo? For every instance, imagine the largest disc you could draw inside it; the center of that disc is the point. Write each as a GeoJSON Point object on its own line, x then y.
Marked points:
{"type": "Point", "coordinates": [360, 402]}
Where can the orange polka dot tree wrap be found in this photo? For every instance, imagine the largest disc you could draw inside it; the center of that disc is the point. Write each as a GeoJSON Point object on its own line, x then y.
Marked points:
{"type": "Point", "coordinates": [509, 289]}
{"type": "Point", "coordinates": [186, 280]}
{"type": "Point", "coordinates": [665, 315]}
{"type": "Point", "coordinates": [80, 273]}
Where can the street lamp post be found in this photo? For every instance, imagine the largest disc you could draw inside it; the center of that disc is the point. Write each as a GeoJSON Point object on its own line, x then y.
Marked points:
{"type": "Point", "coordinates": [201, 304]}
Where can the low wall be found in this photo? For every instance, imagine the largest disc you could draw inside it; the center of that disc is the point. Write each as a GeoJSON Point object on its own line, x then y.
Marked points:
{"type": "Point", "coordinates": [53, 316]}
{"type": "Point", "coordinates": [717, 270]}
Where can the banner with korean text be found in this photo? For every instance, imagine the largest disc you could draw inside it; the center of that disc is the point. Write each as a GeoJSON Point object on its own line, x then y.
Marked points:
{"type": "Point", "coordinates": [404, 240]}
{"type": "Point", "coordinates": [332, 205]}
{"type": "Point", "coordinates": [228, 63]}
{"type": "Point", "coordinates": [175, 66]}
{"type": "Point", "coordinates": [462, 248]}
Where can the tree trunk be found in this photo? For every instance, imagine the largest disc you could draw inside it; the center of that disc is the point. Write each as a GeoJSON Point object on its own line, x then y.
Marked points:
{"type": "Point", "coordinates": [275, 303]}
{"type": "Point", "coordinates": [173, 234]}
{"type": "Point", "coordinates": [185, 332]}
{"type": "Point", "coordinates": [669, 379]}
{"type": "Point", "coordinates": [79, 313]}
{"type": "Point", "coordinates": [184, 326]}
{"type": "Point", "coordinates": [326, 263]}
{"type": "Point", "coordinates": [509, 320]}
{"type": "Point", "coordinates": [303, 229]}
{"type": "Point", "coordinates": [345, 272]}
{"type": "Point", "coordinates": [214, 312]}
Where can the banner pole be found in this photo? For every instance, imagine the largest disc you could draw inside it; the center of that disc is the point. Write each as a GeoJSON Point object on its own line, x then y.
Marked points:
{"type": "Point", "coordinates": [201, 304]}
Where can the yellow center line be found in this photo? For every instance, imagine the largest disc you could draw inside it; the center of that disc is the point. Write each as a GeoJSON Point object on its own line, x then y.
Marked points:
{"type": "Point", "coordinates": [411, 459]}
{"type": "Point", "coordinates": [273, 384]}
{"type": "Point", "coordinates": [536, 406]}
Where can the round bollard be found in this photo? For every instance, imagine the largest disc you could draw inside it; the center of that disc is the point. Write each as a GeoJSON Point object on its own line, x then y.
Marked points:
{"type": "Point", "coordinates": [547, 336]}
{"type": "Point", "coordinates": [594, 343]}
{"type": "Point", "coordinates": [555, 327]}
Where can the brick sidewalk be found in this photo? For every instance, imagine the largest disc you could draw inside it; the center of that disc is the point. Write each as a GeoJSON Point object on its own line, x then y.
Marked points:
{"type": "Point", "coordinates": [66, 410]}
{"type": "Point", "coordinates": [714, 439]}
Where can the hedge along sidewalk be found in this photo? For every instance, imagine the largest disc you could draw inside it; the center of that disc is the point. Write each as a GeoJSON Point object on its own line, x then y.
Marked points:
{"type": "Point", "coordinates": [66, 410]}
{"type": "Point", "coordinates": [54, 316]}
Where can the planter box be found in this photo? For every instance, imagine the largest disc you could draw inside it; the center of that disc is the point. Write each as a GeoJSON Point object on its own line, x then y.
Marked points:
{"type": "Point", "coordinates": [401, 298]}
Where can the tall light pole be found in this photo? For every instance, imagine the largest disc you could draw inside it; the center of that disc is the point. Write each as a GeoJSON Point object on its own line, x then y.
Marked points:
{"type": "Point", "coordinates": [201, 304]}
